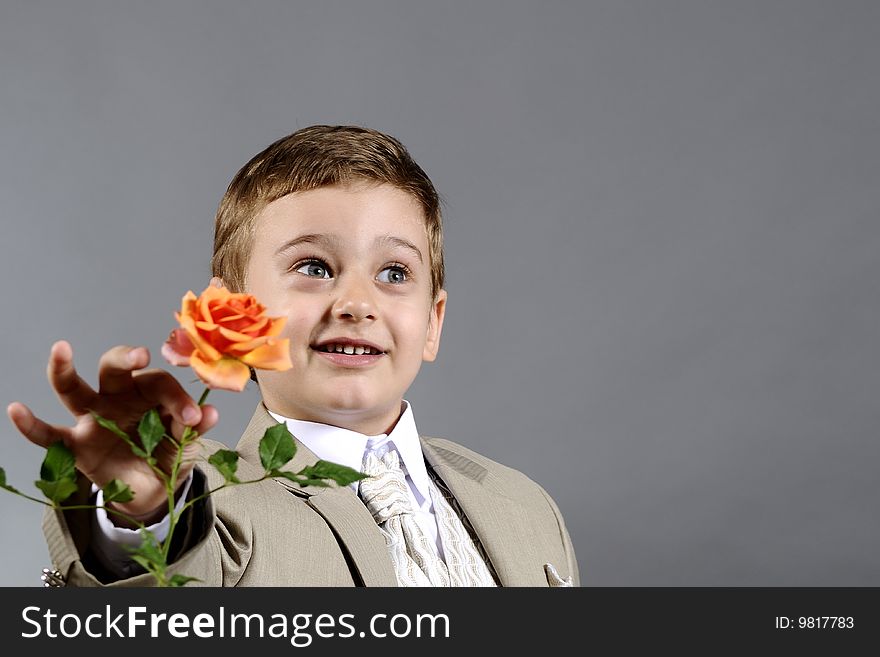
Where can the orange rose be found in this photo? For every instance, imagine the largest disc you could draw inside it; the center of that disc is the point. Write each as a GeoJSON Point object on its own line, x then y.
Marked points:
{"type": "Point", "coordinates": [222, 334]}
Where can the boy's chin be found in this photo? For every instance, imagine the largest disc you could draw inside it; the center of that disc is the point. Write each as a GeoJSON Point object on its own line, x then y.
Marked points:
{"type": "Point", "coordinates": [356, 404]}
{"type": "Point", "coordinates": [370, 419]}
{"type": "Point", "coordinates": [337, 399]}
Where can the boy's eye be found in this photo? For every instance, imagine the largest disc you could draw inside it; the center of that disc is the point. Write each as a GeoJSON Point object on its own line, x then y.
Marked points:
{"type": "Point", "coordinates": [396, 274]}
{"type": "Point", "coordinates": [314, 269]}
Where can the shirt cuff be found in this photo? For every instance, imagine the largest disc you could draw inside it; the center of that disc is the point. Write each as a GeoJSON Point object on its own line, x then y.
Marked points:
{"type": "Point", "coordinates": [109, 541]}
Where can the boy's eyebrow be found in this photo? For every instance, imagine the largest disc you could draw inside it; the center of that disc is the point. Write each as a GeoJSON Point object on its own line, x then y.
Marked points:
{"type": "Point", "coordinates": [399, 241]}
{"type": "Point", "coordinates": [331, 241]}
{"type": "Point", "coordinates": [309, 238]}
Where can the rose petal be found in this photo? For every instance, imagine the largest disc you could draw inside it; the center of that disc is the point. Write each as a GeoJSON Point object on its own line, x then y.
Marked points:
{"type": "Point", "coordinates": [228, 315]}
{"type": "Point", "coordinates": [274, 355]}
{"type": "Point", "coordinates": [234, 336]}
{"type": "Point", "coordinates": [240, 349]}
{"type": "Point", "coordinates": [188, 303]}
{"type": "Point", "coordinates": [199, 339]}
{"type": "Point", "coordinates": [276, 327]}
{"type": "Point", "coordinates": [249, 325]}
{"type": "Point", "coordinates": [223, 374]}
{"type": "Point", "coordinates": [178, 348]}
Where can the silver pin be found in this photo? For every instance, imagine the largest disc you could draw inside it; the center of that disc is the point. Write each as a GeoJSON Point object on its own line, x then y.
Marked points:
{"type": "Point", "coordinates": [52, 578]}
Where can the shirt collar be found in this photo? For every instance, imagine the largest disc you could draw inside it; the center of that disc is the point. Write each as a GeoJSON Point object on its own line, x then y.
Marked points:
{"type": "Point", "coordinates": [348, 447]}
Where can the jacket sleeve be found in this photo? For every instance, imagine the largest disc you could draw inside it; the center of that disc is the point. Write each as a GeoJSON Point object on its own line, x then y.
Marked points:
{"type": "Point", "coordinates": [196, 550]}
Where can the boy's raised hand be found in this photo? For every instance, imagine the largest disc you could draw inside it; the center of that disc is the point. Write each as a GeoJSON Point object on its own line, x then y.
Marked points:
{"type": "Point", "coordinates": [125, 393]}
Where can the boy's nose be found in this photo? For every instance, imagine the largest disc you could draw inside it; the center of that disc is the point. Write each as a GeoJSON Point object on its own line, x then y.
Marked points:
{"type": "Point", "coordinates": [354, 302]}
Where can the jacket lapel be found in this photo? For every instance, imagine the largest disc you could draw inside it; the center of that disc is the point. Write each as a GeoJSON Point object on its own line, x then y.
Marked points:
{"type": "Point", "coordinates": [339, 506]}
{"type": "Point", "coordinates": [498, 520]}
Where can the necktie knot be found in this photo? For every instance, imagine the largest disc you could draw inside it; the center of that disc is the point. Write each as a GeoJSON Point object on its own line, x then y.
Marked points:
{"type": "Point", "coordinates": [385, 492]}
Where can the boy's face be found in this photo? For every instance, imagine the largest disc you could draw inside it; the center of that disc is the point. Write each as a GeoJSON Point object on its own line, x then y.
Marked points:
{"type": "Point", "coordinates": [342, 263]}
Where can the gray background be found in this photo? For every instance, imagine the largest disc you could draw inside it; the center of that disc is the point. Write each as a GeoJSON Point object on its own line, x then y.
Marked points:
{"type": "Point", "coordinates": [662, 236]}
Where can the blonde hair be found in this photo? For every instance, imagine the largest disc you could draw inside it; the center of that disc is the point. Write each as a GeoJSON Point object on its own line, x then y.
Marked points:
{"type": "Point", "coordinates": [318, 156]}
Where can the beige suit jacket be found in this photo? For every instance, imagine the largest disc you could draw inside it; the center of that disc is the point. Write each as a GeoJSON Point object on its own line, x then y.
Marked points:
{"type": "Point", "coordinates": [275, 533]}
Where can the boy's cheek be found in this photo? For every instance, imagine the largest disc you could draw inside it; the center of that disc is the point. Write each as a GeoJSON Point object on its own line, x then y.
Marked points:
{"type": "Point", "coordinates": [297, 329]}
{"type": "Point", "coordinates": [281, 382]}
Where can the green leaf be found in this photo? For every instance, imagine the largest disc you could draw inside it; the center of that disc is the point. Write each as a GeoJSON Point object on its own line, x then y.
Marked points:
{"type": "Point", "coordinates": [148, 553]}
{"type": "Point", "coordinates": [226, 462]}
{"type": "Point", "coordinates": [298, 479]}
{"type": "Point", "coordinates": [116, 491]}
{"type": "Point", "coordinates": [151, 430]}
{"type": "Point", "coordinates": [317, 474]}
{"type": "Point", "coordinates": [6, 486]}
{"type": "Point", "coordinates": [181, 580]}
{"type": "Point", "coordinates": [59, 463]}
{"type": "Point", "coordinates": [341, 474]}
{"type": "Point", "coordinates": [143, 562]}
{"type": "Point", "coordinates": [276, 447]}
{"type": "Point", "coordinates": [110, 425]}
{"type": "Point", "coordinates": [56, 491]}
{"type": "Point", "coordinates": [57, 473]}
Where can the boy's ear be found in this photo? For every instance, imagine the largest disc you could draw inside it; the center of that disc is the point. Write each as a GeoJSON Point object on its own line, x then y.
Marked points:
{"type": "Point", "coordinates": [435, 327]}
{"type": "Point", "coordinates": [217, 282]}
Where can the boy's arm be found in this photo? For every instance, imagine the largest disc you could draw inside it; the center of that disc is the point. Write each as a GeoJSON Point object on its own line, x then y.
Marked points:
{"type": "Point", "coordinates": [194, 552]}
{"type": "Point", "coordinates": [109, 542]}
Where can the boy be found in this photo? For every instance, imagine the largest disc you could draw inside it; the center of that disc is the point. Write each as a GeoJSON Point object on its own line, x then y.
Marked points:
{"type": "Point", "coordinates": [337, 229]}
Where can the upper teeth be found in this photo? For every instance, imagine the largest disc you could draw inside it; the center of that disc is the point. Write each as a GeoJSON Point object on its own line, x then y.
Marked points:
{"type": "Point", "coordinates": [348, 349]}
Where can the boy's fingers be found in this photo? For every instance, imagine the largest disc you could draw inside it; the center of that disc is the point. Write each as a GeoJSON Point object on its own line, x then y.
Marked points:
{"type": "Point", "coordinates": [116, 366]}
{"type": "Point", "coordinates": [159, 388]}
{"type": "Point", "coordinates": [71, 389]}
{"type": "Point", "coordinates": [210, 416]}
{"type": "Point", "coordinates": [32, 427]}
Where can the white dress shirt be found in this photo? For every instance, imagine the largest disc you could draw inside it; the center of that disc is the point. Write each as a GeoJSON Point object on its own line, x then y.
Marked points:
{"type": "Point", "coordinates": [348, 447]}
{"type": "Point", "coordinates": [328, 443]}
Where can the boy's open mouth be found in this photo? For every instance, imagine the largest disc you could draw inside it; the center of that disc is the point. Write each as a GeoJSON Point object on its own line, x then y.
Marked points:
{"type": "Point", "coordinates": [348, 347]}
{"type": "Point", "coordinates": [349, 356]}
